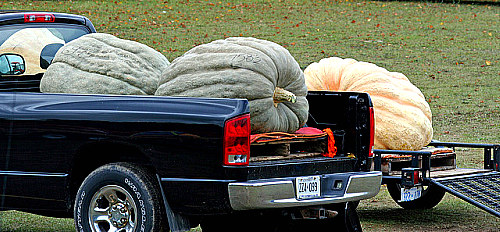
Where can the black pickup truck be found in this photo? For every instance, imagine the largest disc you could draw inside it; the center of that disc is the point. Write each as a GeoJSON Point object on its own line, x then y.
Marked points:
{"type": "Point", "coordinates": [146, 163]}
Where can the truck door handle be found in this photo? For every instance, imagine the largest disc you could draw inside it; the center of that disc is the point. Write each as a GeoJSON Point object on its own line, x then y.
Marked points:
{"type": "Point", "coordinates": [54, 136]}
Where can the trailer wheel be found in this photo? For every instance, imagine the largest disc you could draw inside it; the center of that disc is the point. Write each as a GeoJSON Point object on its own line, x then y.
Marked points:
{"type": "Point", "coordinates": [119, 197]}
{"type": "Point", "coordinates": [431, 196]}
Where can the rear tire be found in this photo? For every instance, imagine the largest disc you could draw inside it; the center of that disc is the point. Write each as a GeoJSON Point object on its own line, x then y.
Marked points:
{"type": "Point", "coordinates": [431, 196]}
{"type": "Point", "coordinates": [119, 197]}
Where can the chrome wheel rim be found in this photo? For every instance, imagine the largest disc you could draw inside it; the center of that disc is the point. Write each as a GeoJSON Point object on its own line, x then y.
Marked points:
{"type": "Point", "coordinates": [112, 209]}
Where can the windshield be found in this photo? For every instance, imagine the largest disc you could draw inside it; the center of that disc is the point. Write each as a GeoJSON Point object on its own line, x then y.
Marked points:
{"type": "Point", "coordinates": [37, 44]}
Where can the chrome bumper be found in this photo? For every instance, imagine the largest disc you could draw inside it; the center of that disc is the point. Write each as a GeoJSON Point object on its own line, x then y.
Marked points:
{"type": "Point", "coordinates": [280, 193]}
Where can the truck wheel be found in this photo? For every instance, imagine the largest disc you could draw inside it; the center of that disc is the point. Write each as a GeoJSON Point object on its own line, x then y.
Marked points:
{"type": "Point", "coordinates": [119, 197]}
{"type": "Point", "coordinates": [431, 196]}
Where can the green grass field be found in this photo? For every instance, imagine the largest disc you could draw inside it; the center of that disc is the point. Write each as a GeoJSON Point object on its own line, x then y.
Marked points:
{"type": "Point", "coordinates": [450, 50]}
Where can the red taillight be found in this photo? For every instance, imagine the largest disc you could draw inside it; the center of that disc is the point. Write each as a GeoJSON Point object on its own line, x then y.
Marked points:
{"type": "Point", "coordinates": [372, 132]}
{"type": "Point", "coordinates": [237, 141]}
{"type": "Point", "coordinates": [39, 18]}
{"type": "Point", "coordinates": [416, 178]}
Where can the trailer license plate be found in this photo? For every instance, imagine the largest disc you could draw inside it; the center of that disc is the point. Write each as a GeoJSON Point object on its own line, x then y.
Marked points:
{"type": "Point", "coordinates": [308, 187]}
{"type": "Point", "coordinates": [411, 194]}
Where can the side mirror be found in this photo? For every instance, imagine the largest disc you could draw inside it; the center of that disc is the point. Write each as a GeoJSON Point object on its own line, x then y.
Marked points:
{"type": "Point", "coordinates": [12, 64]}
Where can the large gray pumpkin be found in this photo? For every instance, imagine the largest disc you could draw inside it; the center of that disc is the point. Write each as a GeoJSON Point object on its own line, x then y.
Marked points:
{"type": "Point", "coordinates": [261, 71]}
{"type": "Point", "coordinates": [104, 64]}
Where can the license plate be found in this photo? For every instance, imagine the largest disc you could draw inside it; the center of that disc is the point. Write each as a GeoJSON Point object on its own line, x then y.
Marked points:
{"type": "Point", "coordinates": [308, 187]}
{"type": "Point", "coordinates": [411, 194]}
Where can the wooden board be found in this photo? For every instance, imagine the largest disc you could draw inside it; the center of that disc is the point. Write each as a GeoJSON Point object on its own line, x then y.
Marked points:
{"type": "Point", "coordinates": [457, 172]}
{"type": "Point", "coordinates": [283, 148]}
{"type": "Point", "coordinates": [392, 165]}
{"type": "Point", "coordinates": [277, 157]}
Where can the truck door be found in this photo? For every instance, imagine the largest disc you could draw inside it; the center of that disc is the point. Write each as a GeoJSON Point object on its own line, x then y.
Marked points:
{"type": "Point", "coordinates": [6, 109]}
{"type": "Point", "coordinates": [26, 176]}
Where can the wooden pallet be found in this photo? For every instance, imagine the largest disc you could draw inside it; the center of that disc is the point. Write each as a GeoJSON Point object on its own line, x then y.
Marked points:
{"type": "Point", "coordinates": [441, 159]}
{"type": "Point", "coordinates": [288, 149]}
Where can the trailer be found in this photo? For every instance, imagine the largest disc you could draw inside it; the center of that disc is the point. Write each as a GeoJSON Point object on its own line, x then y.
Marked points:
{"type": "Point", "coordinates": [420, 179]}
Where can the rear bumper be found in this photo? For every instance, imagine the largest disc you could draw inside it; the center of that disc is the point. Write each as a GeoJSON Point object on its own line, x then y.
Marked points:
{"type": "Point", "coordinates": [280, 193]}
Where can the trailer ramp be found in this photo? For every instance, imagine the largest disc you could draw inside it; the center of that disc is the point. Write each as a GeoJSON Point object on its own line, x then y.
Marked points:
{"type": "Point", "coordinates": [481, 190]}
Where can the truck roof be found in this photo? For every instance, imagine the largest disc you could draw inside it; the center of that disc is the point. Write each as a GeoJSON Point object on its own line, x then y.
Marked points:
{"type": "Point", "coordinates": [8, 17]}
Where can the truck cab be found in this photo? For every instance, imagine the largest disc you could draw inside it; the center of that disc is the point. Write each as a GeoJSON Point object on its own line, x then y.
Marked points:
{"type": "Point", "coordinates": [29, 42]}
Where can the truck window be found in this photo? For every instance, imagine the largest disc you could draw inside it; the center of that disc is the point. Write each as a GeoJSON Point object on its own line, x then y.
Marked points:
{"type": "Point", "coordinates": [4, 65]}
{"type": "Point", "coordinates": [37, 44]}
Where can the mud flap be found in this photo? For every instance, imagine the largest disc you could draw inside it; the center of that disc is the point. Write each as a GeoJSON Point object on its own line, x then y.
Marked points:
{"type": "Point", "coordinates": [351, 218]}
{"type": "Point", "coordinates": [347, 220]}
{"type": "Point", "coordinates": [176, 221]}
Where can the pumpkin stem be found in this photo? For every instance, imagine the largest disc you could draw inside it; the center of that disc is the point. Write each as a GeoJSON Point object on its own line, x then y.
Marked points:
{"type": "Point", "coordinates": [282, 95]}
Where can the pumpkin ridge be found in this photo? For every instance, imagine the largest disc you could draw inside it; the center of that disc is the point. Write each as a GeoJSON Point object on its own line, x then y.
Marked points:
{"type": "Point", "coordinates": [241, 49]}
{"type": "Point", "coordinates": [406, 101]}
{"type": "Point", "coordinates": [344, 63]}
{"type": "Point", "coordinates": [147, 66]}
{"type": "Point", "coordinates": [71, 87]}
{"type": "Point", "coordinates": [284, 116]}
{"type": "Point", "coordinates": [103, 75]}
{"type": "Point", "coordinates": [135, 52]}
{"type": "Point", "coordinates": [131, 80]}
{"type": "Point", "coordinates": [409, 132]}
{"type": "Point", "coordinates": [184, 82]}
{"type": "Point", "coordinates": [351, 74]}
{"type": "Point", "coordinates": [196, 93]}
{"type": "Point", "coordinates": [413, 109]}
{"type": "Point", "coordinates": [301, 116]}
{"type": "Point", "coordinates": [270, 49]}
{"type": "Point", "coordinates": [133, 66]}
{"type": "Point", "coordinates": [314, 81]}
{"type": "Point", "coordinates": [211, 68]}
{"type": "Point", "coordinates": [179, 66]}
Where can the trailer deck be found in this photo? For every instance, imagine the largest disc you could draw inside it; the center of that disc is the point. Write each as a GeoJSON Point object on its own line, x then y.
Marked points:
{"type": "Point", "coordinates": [435, 167]}
{"type": "Point", "coordinates": [481, 190]}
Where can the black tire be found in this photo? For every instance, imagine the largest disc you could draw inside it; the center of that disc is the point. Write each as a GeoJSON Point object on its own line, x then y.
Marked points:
{"type": "Point", "coordinates": [431, 196]}
{"type": "Point", "coordinates": [119, 196]}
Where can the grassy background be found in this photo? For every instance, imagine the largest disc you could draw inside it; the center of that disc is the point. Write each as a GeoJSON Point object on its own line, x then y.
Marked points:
{"type": "Point", "coordinates": [450, 50]}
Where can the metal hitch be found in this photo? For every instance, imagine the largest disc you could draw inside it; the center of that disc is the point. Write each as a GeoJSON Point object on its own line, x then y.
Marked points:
{"type": "Point", "coordinates": [410, 177]}
{"type": "Point", "coordinates": [317, 213]}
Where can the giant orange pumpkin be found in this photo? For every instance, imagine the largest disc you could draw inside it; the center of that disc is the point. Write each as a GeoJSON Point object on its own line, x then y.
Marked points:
{"type": "Point", "coordinates": [403, 119]}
